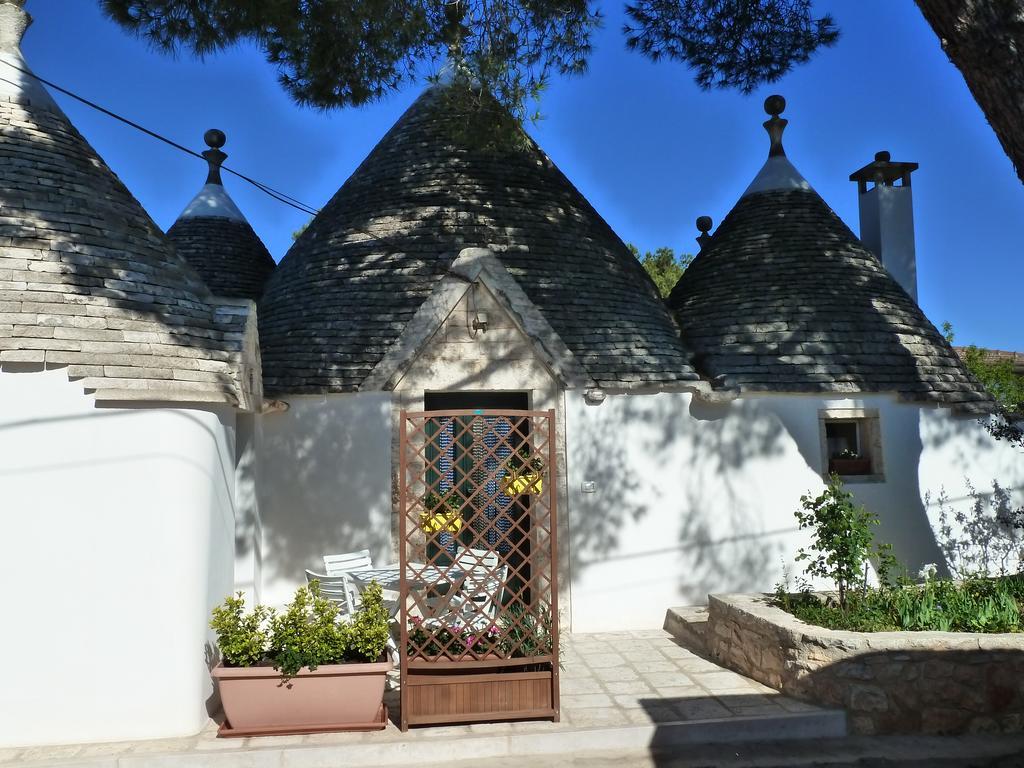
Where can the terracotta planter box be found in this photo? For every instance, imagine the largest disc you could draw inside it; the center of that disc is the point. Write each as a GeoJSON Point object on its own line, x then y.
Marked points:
{"type": "Point", "coordinates": [490, 694]}
{"type": "Point", "coordinates": [256, 698]}
{"type": "Point", "coordinates": [850, 466]}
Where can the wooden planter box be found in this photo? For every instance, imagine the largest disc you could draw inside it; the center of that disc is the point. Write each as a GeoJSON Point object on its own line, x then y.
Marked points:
{"type": "Point", "coordinates": [850, 466]}
{"type": "Point", "coordinates": [470, 692]}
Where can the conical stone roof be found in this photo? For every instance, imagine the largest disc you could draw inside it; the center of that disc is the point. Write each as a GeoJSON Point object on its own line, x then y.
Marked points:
{"type": "Point", "coordinates": [87, 280]}
{"type": "Point", "coordinates": [355, 277]}
{"type": "Point", "coordinates": [785, 298]}
{"type": "Point", "coordinates": [217, 240]}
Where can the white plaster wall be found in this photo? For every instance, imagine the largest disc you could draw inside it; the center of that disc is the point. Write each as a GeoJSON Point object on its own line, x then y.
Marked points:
{"type": "Point", "coordinates": [324, 485]}
{"type": "Point", "coordinates": [958, 454]}
{"type": "Point", "coordinates": [689, 499]}
{"type": "Point", "coordinates": [693, 498]}
{"type": "Point", "coordinates": [248, 524]}
{"type": "Point", "coordinates": [117, 540]}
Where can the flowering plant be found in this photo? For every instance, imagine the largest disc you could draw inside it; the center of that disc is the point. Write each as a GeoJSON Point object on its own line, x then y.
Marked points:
{"type": "Point", "coordinates": [456, 641]}
{"type": "Point", "coordinates": [927, 573]}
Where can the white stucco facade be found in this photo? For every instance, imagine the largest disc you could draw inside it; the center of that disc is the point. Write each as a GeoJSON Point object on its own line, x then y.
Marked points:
{"type": "Point", "coordinates": [324, 480]}
{"type": "Point", "coordinates": [691, 498]}
{"type": "Point", "coordinates": [118, 530]}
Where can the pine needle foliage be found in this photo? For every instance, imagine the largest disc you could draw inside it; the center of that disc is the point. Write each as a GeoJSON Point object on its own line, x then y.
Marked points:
{"type": "Point", "coordinates": [340, 53]}
{"type": "Point", "coordinates": [729, 43]}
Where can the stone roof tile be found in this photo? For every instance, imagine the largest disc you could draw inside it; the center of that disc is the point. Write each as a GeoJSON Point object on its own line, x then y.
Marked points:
{"type": "Point", "coordinates": [785, 298]}
{"type": "Point", "coordinates": [87, 280]}
{"type": "Point", "coordinates": [385, 240]}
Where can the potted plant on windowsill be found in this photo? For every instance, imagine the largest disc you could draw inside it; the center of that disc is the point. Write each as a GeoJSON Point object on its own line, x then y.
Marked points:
{"type": "Point", "coordinates": [848, 462]}
{"type": "Point", "coordinates": [302, 670]}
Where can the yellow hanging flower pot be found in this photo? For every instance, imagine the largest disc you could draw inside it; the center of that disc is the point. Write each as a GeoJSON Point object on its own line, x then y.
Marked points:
{"type": "Point", "coordinates": [440, 515]}
{"type": "Point", "coordinates": [527, 482]}
{"type": "Point", "coordinates": [441, 522]}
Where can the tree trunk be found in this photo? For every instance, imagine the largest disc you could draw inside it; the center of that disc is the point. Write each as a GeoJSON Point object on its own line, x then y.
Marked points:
{"type": "Point", "coordinates": [985, 40]}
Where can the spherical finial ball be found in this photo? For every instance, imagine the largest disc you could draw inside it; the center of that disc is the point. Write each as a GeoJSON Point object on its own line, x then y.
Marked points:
{"type": "Point", "coordinates": [704, 224]}
{"type": "Point", "coordinates": [882, 157]}
{"type": "Point", "coordinates": [214, 138]}
{"type": "Point", "coordinates": [774, 105]}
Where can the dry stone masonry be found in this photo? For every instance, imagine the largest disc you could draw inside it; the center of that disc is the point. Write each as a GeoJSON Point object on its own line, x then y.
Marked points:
{"type": "Point", "coordinates": [888, 682]}
{"type": "Point", "coordinates": [87, 280]}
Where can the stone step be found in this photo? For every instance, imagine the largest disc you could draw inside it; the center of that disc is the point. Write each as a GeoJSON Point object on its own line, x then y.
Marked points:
{"type": "Point", "coordinates": [987, 750]}
{"type": "Point", "coordinates": [688, 624]}
{"type": "Point", "coordinates": [524, 743]}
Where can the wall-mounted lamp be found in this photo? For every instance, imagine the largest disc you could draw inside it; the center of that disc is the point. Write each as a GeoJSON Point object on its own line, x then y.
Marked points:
{"type": "Point", "coordinates": [480, 321]}
{"type": "Point", "coordinates": [593, 396]}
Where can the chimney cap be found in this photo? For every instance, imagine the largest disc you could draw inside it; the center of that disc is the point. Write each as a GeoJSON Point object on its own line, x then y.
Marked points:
{"type": "Point", "coordinates": [883, 171]}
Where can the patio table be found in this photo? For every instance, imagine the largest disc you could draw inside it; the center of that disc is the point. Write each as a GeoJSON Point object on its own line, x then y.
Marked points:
{"type": "Point", "coordinates": [423, 576]}
{"type": "Point", "coordinates": [420, 577]}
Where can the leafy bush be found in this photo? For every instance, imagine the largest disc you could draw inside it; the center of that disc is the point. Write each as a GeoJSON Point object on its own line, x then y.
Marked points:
{"type": "Point", "coordinates": [457, 640]}
{"type": "Point", "coordinates": [842, 540]}
{"type": "Point", "coordinates": [861, 615]}
{"type": "Point", "coordinates": [842, 543]}
{"type": "Point", "coordinates": [306, 634]}
{"type": "Point", "coordinates": [242, 638]}
{"type": "Point", "coordinates": [368, 633]}
{"type": "Point", "coordinates": [525, 633]}
{"type": "Point", "coordinates": [519, 633]}
{"type": "Point", "coordinates": [942, 605]}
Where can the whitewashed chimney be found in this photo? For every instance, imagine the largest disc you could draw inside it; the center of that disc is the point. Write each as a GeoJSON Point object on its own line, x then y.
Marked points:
{"type": "Point", "coordinates": [887, 216]}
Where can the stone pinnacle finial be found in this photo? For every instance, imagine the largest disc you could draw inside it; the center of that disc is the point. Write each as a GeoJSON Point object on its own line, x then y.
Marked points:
{"type": "Point", "coordinates": [775, 105]}
{"type": "Point", "coordinates": [704, 224]}
{"type": "Point", "coordinates": [14, 20]}
{"type": "Point", "coordinates": [214, 139]}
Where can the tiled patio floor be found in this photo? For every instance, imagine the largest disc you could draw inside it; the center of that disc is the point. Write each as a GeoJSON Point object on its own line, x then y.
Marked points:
{"type": "Point", "coordinates": [620, 691]}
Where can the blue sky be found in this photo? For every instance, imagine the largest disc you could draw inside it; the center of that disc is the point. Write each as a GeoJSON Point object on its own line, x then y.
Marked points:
{"type": "Point", "coordinates": [648, 148]}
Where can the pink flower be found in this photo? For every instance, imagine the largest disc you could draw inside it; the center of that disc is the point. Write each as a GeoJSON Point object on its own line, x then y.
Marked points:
{"type": "Point", "coordinates": [470, 641]}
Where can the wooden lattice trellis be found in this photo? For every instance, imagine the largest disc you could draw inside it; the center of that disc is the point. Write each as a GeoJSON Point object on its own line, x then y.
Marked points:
{"type": "Point", "coordinates": [479, 589]}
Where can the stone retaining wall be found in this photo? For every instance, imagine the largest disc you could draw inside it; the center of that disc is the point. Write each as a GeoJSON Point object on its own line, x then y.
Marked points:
{"type": "Point", "coordinates": [888, 682]}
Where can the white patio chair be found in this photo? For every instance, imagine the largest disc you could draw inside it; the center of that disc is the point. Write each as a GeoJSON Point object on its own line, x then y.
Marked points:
{"type": "Point", "coordinates": [346, 563]}
{"type": "Point", "coordinates": [353, 563]}
{"type": "Point", "coordinates": [483, 586]}
{"type": "Point", "coordinates": [338, 589]}
{"type": "Point", "coordinates": [335, 565]}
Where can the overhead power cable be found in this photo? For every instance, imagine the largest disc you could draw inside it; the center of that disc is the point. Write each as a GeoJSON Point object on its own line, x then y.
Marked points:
{"type": "Point", "coordinates": [281, 197]}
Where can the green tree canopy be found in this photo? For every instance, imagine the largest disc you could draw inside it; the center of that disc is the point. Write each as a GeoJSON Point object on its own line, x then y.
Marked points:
{"type": "Point", "coordinates": [339, 53]}
{"type": "Point", "coordinates": [336, 53]}
{"type": "Point", "coordinates": [664, 267]}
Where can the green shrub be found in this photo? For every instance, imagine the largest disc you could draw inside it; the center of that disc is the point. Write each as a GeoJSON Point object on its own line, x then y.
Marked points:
{"type": "Point", "coordinates": [242, 638]}
{"type": "Point", "coordinates": [368, 633]}
{"type": "Point", "coordinates": [525, 632]}
{"type": "Point", "coordinates": [306, 633]}
{"type": "Point", "coordinates": [842, 540]}
{"type": "Point", "coordinates": [938, 605]}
